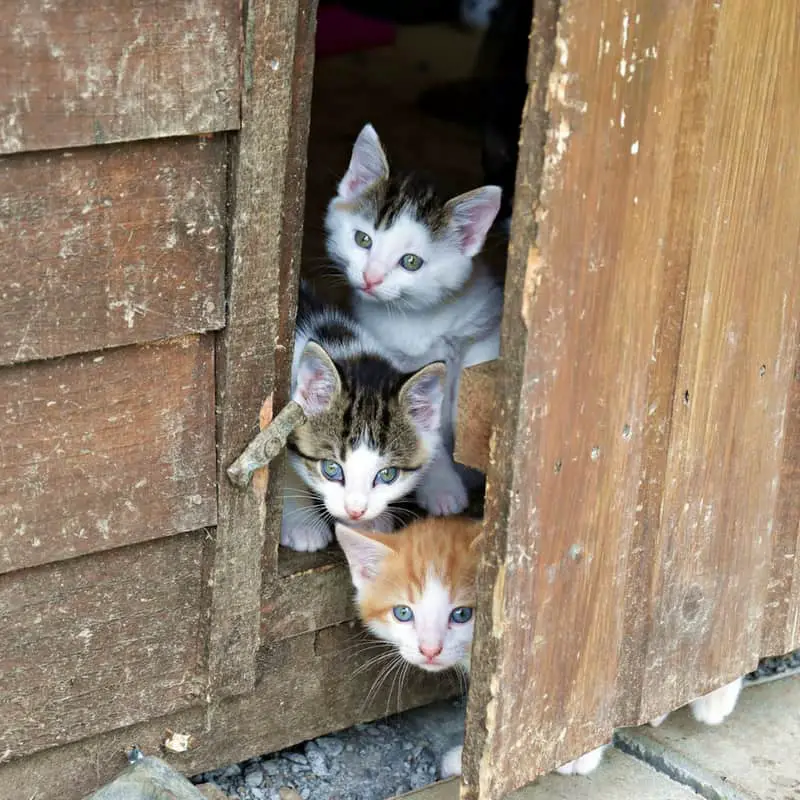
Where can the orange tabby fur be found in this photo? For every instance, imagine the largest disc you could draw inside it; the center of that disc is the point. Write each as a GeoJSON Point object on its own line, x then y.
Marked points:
{"type": "Point", "coordinates": [444, 545]}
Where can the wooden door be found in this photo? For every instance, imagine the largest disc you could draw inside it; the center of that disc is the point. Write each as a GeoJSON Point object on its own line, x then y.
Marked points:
{"type": "Point", "coordinates": [642, 506]}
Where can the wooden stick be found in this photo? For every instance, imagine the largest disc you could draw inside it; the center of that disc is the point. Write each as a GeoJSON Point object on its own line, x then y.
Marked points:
{"type": "Point", "coordinates": [266, 444]}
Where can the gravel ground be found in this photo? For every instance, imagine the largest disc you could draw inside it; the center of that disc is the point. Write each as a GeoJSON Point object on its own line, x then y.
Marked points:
{"type": "Point", "coordinates": [379, 760]}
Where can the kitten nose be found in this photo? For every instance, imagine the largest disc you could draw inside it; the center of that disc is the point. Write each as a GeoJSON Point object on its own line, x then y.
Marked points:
{"type": "Point", "coordinates": [371, 280]}
{"type": "Point", "coordinates": [353, 514]}
{"type": "Point", "coordinates": [430, 651]}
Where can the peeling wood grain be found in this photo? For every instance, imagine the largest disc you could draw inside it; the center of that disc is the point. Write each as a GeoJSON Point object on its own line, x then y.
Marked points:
{"type": "Point", "coordinates": [476, 402]}
{"type": "Point", "coordinates": [104, 450]}
{"type": "Point", "coordinates": [662, 214]}
{"type": "Point", "coordinates": [97, 643]}
{"type": "Point", "coordinates": [74, 74]}
{"type": "Point", "coordinates": [292, 702]}
{"type": "Point", "coordinates": [268, 196]}
{"type": "Point", "coordinates": [782, 610]}
{"type": "Point", "coordinates": [119, 245]}
{"type": "Point", "coordinates": [736, 365]}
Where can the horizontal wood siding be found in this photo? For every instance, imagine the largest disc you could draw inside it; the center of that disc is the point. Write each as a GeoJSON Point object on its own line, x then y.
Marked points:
{"type": "Point", "coordinates": [107, 246]}
{"type": "Point", "coordinates": [307, 687]}
{"type": "Point", "coordinates": [98, 643]}
{"type": "Point", "coordinates": [103, 450]}
{"type": "Point", "coordinates": [78, 73]}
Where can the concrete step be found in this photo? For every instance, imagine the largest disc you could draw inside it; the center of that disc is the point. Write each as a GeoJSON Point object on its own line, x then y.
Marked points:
{"type": "Point", "coordinates": [754, 755]}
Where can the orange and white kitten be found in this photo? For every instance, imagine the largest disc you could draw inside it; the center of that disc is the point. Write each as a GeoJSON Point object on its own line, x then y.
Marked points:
{"type": "Point", "coordinates": [415, 590]}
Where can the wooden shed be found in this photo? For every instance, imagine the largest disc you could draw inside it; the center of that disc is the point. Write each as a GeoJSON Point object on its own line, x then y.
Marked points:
{"type": "Point", "coordinates": [640, 433]}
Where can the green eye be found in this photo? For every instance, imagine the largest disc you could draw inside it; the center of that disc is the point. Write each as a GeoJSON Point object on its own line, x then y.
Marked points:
{"type": "Point", "coordinates": [403, 613]}
{"type": "Point", "coordinates": [363, 240]}
{"type": "Point", "coordinates": [461, 615]}
{"type": "Point", "coordinates": [331, 470]}
{"type": "Point", "coordinates": [386, 475]}
{"type": "Point", "coordinates": [411, 262]}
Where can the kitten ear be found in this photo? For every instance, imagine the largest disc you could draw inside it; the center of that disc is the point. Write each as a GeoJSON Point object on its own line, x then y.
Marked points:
{"type": "Point", "coordinates": [367, 164]}
{"type": "Point", "coordinates": [471, 216]}
{"type": "Point", "coordinates": [422, 396]}
{"type": "Point", "coordinates": [318, 380]}
{"type": "Point", "coordinates": [364, 554]}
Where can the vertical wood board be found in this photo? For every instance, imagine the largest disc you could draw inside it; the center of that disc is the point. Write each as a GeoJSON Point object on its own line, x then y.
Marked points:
{"type": "Point", "coordinates": [98, 643]}
{"type": "Point", "coordinates": [639, 182]}
{"type": "Point", "coordinates": [736, 364]}
{"type": "Point", "coordinates": [104, 450]}
{"type": "Point", "coordinates": [108, 246]}
{"type": "Point", "coordinates": [267, 201]}
{"type": "Point", "coordinates": [74, 73]}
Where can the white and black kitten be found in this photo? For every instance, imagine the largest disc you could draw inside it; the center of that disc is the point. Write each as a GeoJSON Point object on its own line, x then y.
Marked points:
{"type": "Point", "coordinates": [408, 255]}
{"type": "Point", "coordinates": [370, 434]}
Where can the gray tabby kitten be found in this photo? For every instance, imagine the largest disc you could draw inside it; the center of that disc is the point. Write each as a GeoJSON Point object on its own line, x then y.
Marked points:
{"type": "Point", "coordinates": [371, 430]}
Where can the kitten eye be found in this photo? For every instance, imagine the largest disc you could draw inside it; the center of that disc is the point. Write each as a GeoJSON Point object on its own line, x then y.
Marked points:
{"type": "Point", "coordinates": [331, 470]}
{"type": "Point", "coordinates": [403, 613]}
{"type": "Point", "coordinates": [386, 475]}
{"type": "Point", "coordinates": [461, 615]}
{"type": "Point", "coordinates": [410, 262]}
{"type": "Point", "coordinates": [363, 240]}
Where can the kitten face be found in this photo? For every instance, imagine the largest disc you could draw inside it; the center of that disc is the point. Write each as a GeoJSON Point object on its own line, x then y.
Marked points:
{"type": "Point", "coordinates": [369, 434]}
{"type": "Point", "coordinates": [395, 238]}
{"type": "Point", "coordinates": [416, 589]}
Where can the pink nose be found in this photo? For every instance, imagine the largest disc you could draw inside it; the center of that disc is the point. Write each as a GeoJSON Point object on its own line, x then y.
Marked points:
{"type": "Point", "coordinates": [370, 282]}
{"type": "Point", "coordinates": [430, 652]}
{"type": "Point", "coordinates": [354, 514]}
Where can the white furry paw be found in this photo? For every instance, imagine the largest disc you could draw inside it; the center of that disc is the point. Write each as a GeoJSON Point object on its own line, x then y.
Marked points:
{"type": "Point", "coordinates": [656, 721]}
{"type": "Point", "coordinates": [451, 762]}
{"type": "Point", "coordinates": [585, 764]}
{"type": "Point", "coordinates": [442, 491]}
{"type": "Point", "coordinates": [714, 707]}
{"type": "Point", "coordinates": [306, 538]}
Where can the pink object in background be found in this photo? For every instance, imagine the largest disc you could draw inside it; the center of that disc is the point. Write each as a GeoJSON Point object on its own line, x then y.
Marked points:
{"type": "Point", "coordinates": [341, 31]}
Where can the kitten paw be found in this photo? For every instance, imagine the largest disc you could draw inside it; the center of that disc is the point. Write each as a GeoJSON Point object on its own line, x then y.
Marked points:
{"type": "Point", "coordinates": [585, 764]}
{"type": "Point", "coordinates": [451, 762]}
{"type": "Point", "coordinates": [442, 492]}
{"type": "Point", "coordinates": [306, 538]}
{"type": "Point", "coordinates": [656, 721]}
{"type": "Point", "coordinates": [714, 707]}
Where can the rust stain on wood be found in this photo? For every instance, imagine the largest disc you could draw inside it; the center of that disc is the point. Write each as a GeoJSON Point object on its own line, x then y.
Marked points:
{"type": "Point", "coordinates": [105, 450]}
{"type": "Point", "coordinates": [98, 643]}
{"type": "Point", "coordinates": [75, 74]}
{"type": "Point", "coordinates": [119, 245]}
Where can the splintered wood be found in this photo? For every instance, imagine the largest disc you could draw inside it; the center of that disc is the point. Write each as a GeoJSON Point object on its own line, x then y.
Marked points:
{"type": "Point", "coordinates": [642, 502]}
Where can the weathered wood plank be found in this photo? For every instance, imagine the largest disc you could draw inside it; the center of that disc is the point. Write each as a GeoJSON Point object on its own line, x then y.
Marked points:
{"type": "Point", "coordinates": [639, 126]}
{"type": "Point", "coordinates": [268, 198]}
{"type": "Point", "coordinates": [99, 642]}
{"type": "Point", "coordinates": [105, 450]}
{"type": "Point", "coordinates": [476, 403]}
{"type": "Point", "coordinates": [782, 613]}
{"type": "Point", "coordinates": [304, 690]}
{"type": "Point", "coordinates": [737, 363]}
{"type": "Point", "coordinates": [120, 244]}
{"type": "Point", "coordinates": [75, 73]}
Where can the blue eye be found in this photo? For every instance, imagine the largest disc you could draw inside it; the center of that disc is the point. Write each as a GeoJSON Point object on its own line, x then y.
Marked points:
{"type": "Point", "coordinates": [461, 615]}
{"type": "Point", "coordinates": [411, 262]}
{"type": "Point", "coordinates": [363, 240]}
{"type": "Point", "coordinates": [403, 613]}
{"type": "Point", "coordinates": [386, 475]}
{"type": "Point", "coordinates": [331, 470]}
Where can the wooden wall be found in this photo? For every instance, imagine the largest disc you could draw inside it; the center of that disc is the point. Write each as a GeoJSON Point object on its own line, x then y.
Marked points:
{"type": "Point", "coordinates": [642, 502]}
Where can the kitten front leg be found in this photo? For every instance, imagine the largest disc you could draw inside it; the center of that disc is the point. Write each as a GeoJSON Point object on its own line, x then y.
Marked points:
{"type": "Point", "coordinates": [584, 764]}
{"type": "Point", "coordinates": [714, 707]}
{"type": "Point", "coordinates": [451, 762]}
{"type": "Point", "coordinates": [303, 528]}
{"type": "Point", "coordinates": [442, 491]}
